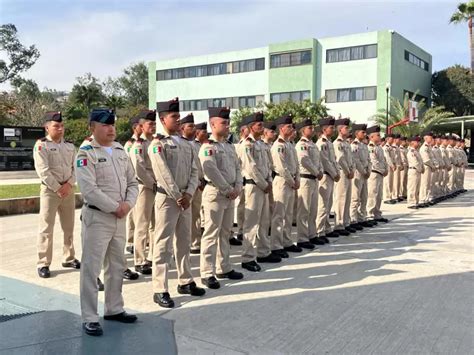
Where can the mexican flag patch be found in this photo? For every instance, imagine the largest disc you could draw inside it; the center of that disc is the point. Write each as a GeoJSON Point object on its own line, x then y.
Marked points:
{"type": "Point", "coordinates": [280, 150]}
{"type": "Point", "coordinates": [81, 162]}
{"type": "Point", "coordinates": [156, 150]}
{"type": "Point", "coordinates": [38, 148]}
{"type": "Point", "coordinates": [303, 147]}
{"type": "Point", "coordinates": [208, 152]}
{"type": "Point", "coordinates": [138, 150]}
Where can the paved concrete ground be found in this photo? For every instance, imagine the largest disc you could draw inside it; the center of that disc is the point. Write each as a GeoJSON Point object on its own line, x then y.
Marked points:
{"type": "Point", "coordinates": [18, 177]}
{"type": "Point", "coordinates": [404, 287]}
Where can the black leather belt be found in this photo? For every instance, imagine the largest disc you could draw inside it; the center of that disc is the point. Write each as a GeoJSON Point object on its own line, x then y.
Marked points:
{"type": "Point", "coordinates": [274, 173]}
{"type": "Point", "coordinates": [308, 176]}
{"type": "Point", "coordinates": [327, 173]}
{"type": "Point", "coordinates": [249, 181]}
{"type": "Point", "coordinates": [160, 190]}
{"type": "Point", "coordinates": [377, 172]}
{"type": "Point", "coordinates": [411, 167]}
{"type": "Point", "coordinates": [92, 207]}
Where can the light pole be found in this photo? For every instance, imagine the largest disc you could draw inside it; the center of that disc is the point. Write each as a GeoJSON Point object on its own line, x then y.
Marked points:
{"type": "Point", "coordinates": [387, 90]}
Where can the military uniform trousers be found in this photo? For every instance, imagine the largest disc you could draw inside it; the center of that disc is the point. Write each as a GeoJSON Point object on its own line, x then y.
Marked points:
{"type": "Point", "coordinates": [404, 182]}
{"type": "Point", "coordinates": [414, 179]}
{"type": "Point", "coordinates": [425, 185]}
{"type": "Point", "coordinates": [241, 212]}
{"type": "Point", "coordinates": [50, 204]}
{"type": "Point", "coordinates": [397, 186]}
{"type": "Point", "coordinates": [282, 217]}
{"type": "Point", "coordinates": [374, 201]}
{"type": "Point", "coordinates": [307, 209]}
{"type": "Point", "coordinates": [444, 181]}
{"type": "Point", "coordinates": [172, 234]}
{"type": "Point", "coordinates": [388, 185]}
{"type": "Point", "coordinates": [143, 212]}
{"type": "Point", "coordinates": [256, 240]}
{"type": "Point", "coordinates": [325, 198]}
{"type": "Point", "coordinates": [130, 227]}
{"type": "Point", "coordinates": [451, 180]}
{"type": "Point", "coordinates": [103, 243]}
{"type": "Point", "coordinates": [359, 198]}
{"type": "Point", "coordinates": [196, 220]}
{"type": "Point", "coordinates": [218, 221]}
{"type": "Point", "coordinates": [342, 202]}
{"type": "Point", "coordinates": [434, 190]}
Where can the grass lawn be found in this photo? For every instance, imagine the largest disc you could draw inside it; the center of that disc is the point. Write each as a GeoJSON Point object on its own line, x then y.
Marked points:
{"type": "Point", "coordinates": [14, 191]}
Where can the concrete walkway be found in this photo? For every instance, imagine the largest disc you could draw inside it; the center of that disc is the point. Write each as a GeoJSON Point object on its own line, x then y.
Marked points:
{"type": "Point", "coordinates": [401, 288]}
{"type": "Point", "coordinates": [18, 177]}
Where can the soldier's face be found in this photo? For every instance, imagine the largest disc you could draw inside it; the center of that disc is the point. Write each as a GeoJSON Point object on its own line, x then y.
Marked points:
{"type": "Point", "coordinates": [138, 130]}
{"type": "Point", "coordinates": [269, 134]}
{"type": "Point", "coordinates": [148, 127]}
{"type": "Point", "coordinates": [220, 126]}
{"type": "Point", "coordinates": [286, 130]}
{"type": "Point", "coordinates": [201, 135]}
{"type": "Point", "coordinates": [328, 130]}
{"type": "Point", "coordinates": [257, 129]}
{"type": "Point", "coordinates": [103, 133]}
{"type": "Point", "coordinates": [55, 129]}
{"type": "Point", "coordinates": [308, 131]}
{"type": "Point", "coordinates": [375, 137]}
{"type": "Point", "coordinates": [360, 135]}
{"type": "Point", "coordinates": [170, 122]}
{"type": "Point", "coordinates": [188, 130]}
{"type": "Point", "coordinates": [344, 131]}
{"type": "Point", "coordinates": [428, 139]}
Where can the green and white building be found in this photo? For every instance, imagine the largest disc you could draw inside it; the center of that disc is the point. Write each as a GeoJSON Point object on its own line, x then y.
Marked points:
{"type": "Point", "coordinates": [352, 73]}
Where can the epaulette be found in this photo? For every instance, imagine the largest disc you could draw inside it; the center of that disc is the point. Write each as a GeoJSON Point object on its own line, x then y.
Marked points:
{"type": "Point", "coordinates": [159, 136]}
{"type": "Point", "coordinates": [355, 142]}
{"type": "Point", "coordinates": [132, 140]}
{"type": "Point", "coordinates": [324, 139]}
{"type": "Point", "coordinates": [339, 139]}
{"type": "Point", "coordinates": [211, 141]}
{"type": "Point", "coordinates": [68, 141]}
{"type": "Point", "coordinates": [86, 147]}
{"type": "Point", "coordinates": [281, 140]}
{"type": "Point", "coordinates": [44, 139]}
{"type": "Point", "coordinates": [89, 139]}
{"type": "Point", "coordinates": [186, 139]}
{"type": "Point", "coordinates": [371, 144]}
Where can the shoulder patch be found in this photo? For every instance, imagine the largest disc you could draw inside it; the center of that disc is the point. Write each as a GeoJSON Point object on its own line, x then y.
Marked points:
{"type": "Point", "coordinates": [159, 136]}
{"type": "Point", "coordinates": [86, 147]}
{"type": "Point", "coordinates": [207, 152]}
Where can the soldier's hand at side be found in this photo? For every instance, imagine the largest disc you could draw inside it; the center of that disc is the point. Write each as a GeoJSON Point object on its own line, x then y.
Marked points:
{"type": "Point", "coordinates": [337, 178]}
{"type": "Point", "coordinates": [319, 177]}
{"type": "Point", "coordinates": [268, 188]}
{"type": "Point", "coordinates": [350, 175]}
{"type": "Point", "coordinates": [297, 185]}
{"type": "Point", "coordinates": [185, 201]}
{"type": "Point", "coordinates": [401, 168]}
{"type": "Point", "coordinates": [64, 190]}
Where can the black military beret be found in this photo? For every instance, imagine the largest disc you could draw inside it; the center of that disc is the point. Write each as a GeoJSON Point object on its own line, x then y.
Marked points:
{"type": "Point", "coordinates": [134, 120]}
{"type": "Point", "coordinates": [403, 138]}
{"type": "Point", "coordinates": [359, 127]}
{"type": "Point", "coordinates": [342, 122]}
{"type": "Point", "coordinates": [168, 106]}
{"type": "Point", "coordinates": [149, 115]}
{"type": "Point", "coordinates": [254, 117]}
{"type": "Point", "coordinates": [414, 139]}
{"type": "Point", "coordinates": [304, 123]}
{"type": "Point", "coordinates": [269, 125]}
{"type": "Point", "coordinates": [372, 129]}
{"type": "Point", "coordinates": [202, 126]}
{"type": "Point", "coordinates": [397, 136]}
{"type": "Point", "coordinates": [285, 119]}
{"type": "Point", "coordinates": [55, 116]}
{"type": "Point", "coordinates": [390, 135]}
{"type": "Point", "coordinates": [326, 121]}
{"type": "Point", "coordinates": [102, 115]}
{"type": "Point", "coordinates": [222, 112]}
{"type": "Point", "coordinates": [187, 119]}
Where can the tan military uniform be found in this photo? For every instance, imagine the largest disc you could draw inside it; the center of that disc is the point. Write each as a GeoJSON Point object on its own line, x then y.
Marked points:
{"type": "Point", "coordinates": [425, 184]}
{"type": "Point", "coordinates": [454, 162]}
{"type": "Point", "coordinates": [174, 164]}
{"type": "Point", "coordinates": [415, 169]}
{"type": "Point", "coordinates": [310, 169]}
{"type": "Point", "coordinates": [380, 167]}
{"type": "Point", "coordinates": [326, 185]}
{"type": "Point", "coordinates": [54, 164]}
{"type": "Point", "coordinates": [267, 146]}
{"type": "Point", "coordinates": [445, 172]}
{"type": "Point", "coordinates": [464, 165]}
{"type": "Point", "coordinates": [146, 198]}
{"type": "Point", "coordinates": [241, 199]}
{"type": "Point", "coordinates": [388, 181]}
{"type": "Point", "coordinates": [130, 221]}
{"type": "Point", "coordinates": [404, 173]}
{"type": "Point", "coordinates": [197, 201]}
{"type": "Point", "coordinates": [257, 176]}
{"type": "Point", "coordinates": [343, 188]}
{"type": "Point", "coordinates": [105, 180]}
{"type": "Point", "coordinates": [397, 174]}
{"type": "Point", "coordinates": [287, 174]}
{"type": "Point", "coordinates": [363, 167]}
{"type": "Point", "coordinates": [221, 169]}
{"type": "Point", "coordinates": [436, 177]}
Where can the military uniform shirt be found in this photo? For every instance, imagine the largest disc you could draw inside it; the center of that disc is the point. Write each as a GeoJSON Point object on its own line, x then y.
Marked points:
{"type": "Point", "coordinates": [255, 164]}
{"type": "Point", "coordinates": [328, 158]}
{"type": "Point", "coordinates": [308, 157]}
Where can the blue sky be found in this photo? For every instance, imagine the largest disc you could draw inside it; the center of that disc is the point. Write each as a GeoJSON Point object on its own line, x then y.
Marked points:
{"type": "Point", "coordinates": [103, 37]}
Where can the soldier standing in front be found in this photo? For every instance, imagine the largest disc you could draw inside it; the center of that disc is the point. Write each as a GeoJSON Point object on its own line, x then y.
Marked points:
{"type": "Point", "coordinates": [109, 188]}
{"type": "Point", "coordinates": [54, 164]}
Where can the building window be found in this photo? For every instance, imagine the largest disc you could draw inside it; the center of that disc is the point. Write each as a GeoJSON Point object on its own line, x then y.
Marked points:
{"type": "Point", "coordinates": [351, 94]}
{"type": "Point", "coordinates": [232, 102]}
{"type": "Point", "coordinates": [351, 53]}
{"type": "Point", "coordinates": [417, 61]}
{"type": "Point", "coordinates": [295, 96]}
{"type": "Point", "coordinates": [240, 66]}
{"type": "Point", "coordinates": [290, 59]}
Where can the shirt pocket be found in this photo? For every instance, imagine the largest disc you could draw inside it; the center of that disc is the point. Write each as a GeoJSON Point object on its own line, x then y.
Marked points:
{"type": "Point", "coordinates": [171, 154]}
{"type": "Point", "coordinates": [54, 158]}
{"type": "Point", "coordinates": [105, 172]}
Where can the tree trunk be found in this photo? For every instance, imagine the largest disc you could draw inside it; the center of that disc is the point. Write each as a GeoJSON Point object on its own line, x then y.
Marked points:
{"type": "Point", "coordinates": [471, 43]}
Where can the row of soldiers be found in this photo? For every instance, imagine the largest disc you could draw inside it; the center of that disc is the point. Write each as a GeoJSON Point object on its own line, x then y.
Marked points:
{"type": "Point", "coordinates": [178, 191]}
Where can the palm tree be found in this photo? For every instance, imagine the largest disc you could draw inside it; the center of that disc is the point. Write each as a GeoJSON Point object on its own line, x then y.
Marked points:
{"type": "Point", "coordinates": [464, 13]}
{"type": "Point", "coordinates": [427, 119]}
{"type": "Point", "coordinates": [114, 102]}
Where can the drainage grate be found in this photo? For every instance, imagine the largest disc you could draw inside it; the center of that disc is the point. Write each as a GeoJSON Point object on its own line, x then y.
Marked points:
{"type": "Point", "coordinates": [10, 311]}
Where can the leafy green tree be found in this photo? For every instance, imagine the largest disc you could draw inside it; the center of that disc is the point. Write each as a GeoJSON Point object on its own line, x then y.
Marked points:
{"type": "Point", "coordinates": [464, 13]}
{"type": "Point", "coordinates": [20, 58]}
{"type": "Point", "coordinates": [134, 84]}
{"type": "Point", "coordinates": [453, 88]}
{"type": "Point", "coordinates": [427, 119]}
{"type": "Point", "coordinates": [87, 91]}
{"type": "Point", "coordinates": [76, 130]}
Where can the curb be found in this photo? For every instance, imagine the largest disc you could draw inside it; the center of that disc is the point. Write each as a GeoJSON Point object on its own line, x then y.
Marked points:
{"type": "Point", "coordinates": [23, 205]}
